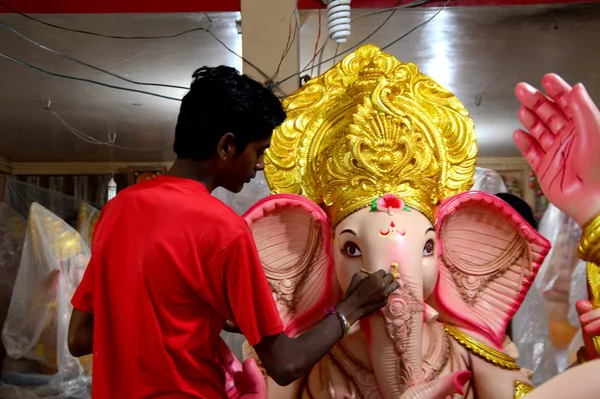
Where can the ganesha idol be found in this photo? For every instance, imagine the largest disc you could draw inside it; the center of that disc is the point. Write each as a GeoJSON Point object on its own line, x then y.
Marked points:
{"type": "Point", "coordinates": [371, 171]}
{"type": "Point", "coordinates": [35, 333]}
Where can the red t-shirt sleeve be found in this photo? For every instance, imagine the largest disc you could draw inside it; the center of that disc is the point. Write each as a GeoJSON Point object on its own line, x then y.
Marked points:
{"type": "Point", "coordinates": [247, 290]}
{"type": "Point", "coordinates": [83, 299]}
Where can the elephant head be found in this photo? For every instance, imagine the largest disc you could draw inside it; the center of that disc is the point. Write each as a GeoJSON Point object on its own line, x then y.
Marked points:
{"type": "Point", "coordinates": [371, 171]}
{"type": "Point", "coordinates": [474, 268]}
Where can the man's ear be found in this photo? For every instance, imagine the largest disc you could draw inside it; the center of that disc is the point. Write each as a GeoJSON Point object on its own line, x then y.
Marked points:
{"type": "Point", "coordinates": [226, 147]}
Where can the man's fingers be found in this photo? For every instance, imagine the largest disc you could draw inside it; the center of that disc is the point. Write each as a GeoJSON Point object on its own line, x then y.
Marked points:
{"type": "Point", "coordinates": [380, 273]}
{"type": "Point", "coordinates": [391, 288]}
{"type": "Point", "coordinates": [387, 280]}
{"type": "Point", "coordinates": [559, 91]}
{"type": "Point", "coordinates": [546, 110]}
{"type": "Point", "coordinates": [530, 148]}
{"type": "Point", "coordinates": [356, 279]}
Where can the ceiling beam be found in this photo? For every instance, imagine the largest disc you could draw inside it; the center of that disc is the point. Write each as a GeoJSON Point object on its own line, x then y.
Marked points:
{"type": "Point", "coordinates": [162, 6]}
{"type": "Point", "coordinates": [6, 166]}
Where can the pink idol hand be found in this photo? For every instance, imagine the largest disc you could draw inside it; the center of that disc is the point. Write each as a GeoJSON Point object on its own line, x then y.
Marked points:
{"type": "Point", "coordinates": [590, 326]}
{"type": "Point", "coordinates": [241, 381]}
{"type": "Point", "coordinates": [563, 145]}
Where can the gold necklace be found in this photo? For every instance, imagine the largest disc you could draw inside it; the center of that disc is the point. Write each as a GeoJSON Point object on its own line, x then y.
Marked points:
{"type": "Point", "coordinates": [482, 350]}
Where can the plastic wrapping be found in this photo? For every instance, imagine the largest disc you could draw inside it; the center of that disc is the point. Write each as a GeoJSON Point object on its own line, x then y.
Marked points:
{"type": "Point", "coordinates": [546, 327]}
{"type": "Point", "coordinates": [20, 195]}
{"type": "Point", "coordinates": [489, 181]}
{"type": "Point", "coordinates": [12, 235]}
{"type": "Point", "coordinates": [53, 261]}
{"type": "Point", "coordinates": [86, 221]}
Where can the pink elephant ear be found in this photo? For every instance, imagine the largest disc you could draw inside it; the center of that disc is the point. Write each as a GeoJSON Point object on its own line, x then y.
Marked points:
{"type": "Point", "coordinates": [489, 258]}
{"type": "Point", "coordinates": [293, 237]}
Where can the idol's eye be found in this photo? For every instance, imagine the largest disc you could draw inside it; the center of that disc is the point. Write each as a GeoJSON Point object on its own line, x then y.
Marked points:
{"type": "Point", "coordinates": [428, 248]}
{"type": "Point", "coordinates": [351, 250]}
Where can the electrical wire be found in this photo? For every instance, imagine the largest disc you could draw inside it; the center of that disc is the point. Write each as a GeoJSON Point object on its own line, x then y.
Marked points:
{"type": "Point", "coordinates": [321, 51]}
{"type": "Point", "coordinates": [317, 42]}
{"type": "Point", "coordinates": [393, 11]}
{"type": "Point", "coordinates": [291, 37]}
{"type": "Point", "coordinates": [417, 27]}
{"type": "Point", "coordinates": [59, 75]}
{"type": "Point", "coordinates": [92, 140]}
{"type": "Point", "coordinates": [68, 57]}
{"type": "Point", "coordinates": [84, 32]}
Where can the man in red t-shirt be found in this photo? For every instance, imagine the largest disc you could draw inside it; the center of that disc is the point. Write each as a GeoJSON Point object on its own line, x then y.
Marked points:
{"type": "Point", "coordinates": [171, 263]}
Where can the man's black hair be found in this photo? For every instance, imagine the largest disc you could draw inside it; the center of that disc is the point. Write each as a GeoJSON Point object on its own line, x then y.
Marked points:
{"type": "Point", "coordinates": [222, 101]}
{"type": "Point", "coordinates": [520, 206]}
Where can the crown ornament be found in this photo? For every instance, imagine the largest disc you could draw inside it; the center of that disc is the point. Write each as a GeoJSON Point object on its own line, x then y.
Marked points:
{"type": "Point", "coordinates": [368, 127]}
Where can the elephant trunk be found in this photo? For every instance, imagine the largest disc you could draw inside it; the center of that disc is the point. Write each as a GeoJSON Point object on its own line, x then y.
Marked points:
{"type": "Point", "coordinates": [395, 339]}
{"type": "Point", "coordinates": [439, 388]}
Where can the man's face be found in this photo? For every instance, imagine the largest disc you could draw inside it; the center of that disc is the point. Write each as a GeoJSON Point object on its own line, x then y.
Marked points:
{"type": "Point", "coordinates": [242, 167]}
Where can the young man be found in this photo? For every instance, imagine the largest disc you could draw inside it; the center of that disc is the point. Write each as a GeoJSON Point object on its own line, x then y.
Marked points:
{"type": "Point", "coordinates": [172, 263]}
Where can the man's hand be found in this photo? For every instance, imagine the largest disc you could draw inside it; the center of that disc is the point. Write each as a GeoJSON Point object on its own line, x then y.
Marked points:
{"type": "Point", "coordinates": [590, 326]}
{"type": "Point", "coordinates": [562, 145]}
{"type": "Point", "coordinates": [367, 294]}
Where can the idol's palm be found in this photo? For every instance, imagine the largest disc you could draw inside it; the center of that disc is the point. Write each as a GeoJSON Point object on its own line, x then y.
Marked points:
{"type": "Point", "coordinates": [562, 145]}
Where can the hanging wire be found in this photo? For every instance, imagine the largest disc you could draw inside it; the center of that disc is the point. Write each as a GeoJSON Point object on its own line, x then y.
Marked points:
{"type": "Point", "coordinates": [89, 33]}
{"type": "Point", "coordinates": [59, 75]}
{"type": "Point", "coordinates": [84, 32]}
{"type": "Point", "coordinates": [321, 51]}
{"type": "Point", "coordinates": [317, 42]}
{"type": "Point", "coordinates": [417, 27]}
{"type": "Point", "coordinates": [373, 33]}
{"type": "Point", "coordinates": [294, 17]}
{"type": "Point", "coordinates": [92, 140]}
{"type": "Point", "coordinates": [68, 57]}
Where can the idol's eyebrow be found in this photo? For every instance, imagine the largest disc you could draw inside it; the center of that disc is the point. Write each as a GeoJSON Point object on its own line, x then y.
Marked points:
{"type": "Point", "coordinates": [429, 229]}
{"type": "Point", "coordinates": [348, 231]}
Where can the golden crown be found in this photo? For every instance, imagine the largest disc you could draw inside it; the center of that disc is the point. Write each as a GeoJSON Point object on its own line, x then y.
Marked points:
{"type": "Point", "coordinates": [370, 126]}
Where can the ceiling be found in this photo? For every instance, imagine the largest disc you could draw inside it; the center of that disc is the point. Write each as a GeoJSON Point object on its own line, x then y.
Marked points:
{"type": "Point", "coordinates": [158, 6]}
{"type": "Point", "coordinates": [479, 53]}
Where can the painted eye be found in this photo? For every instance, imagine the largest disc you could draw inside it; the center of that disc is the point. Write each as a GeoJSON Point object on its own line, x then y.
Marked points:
{"type": "Point", "coordinates": [428, 248]}
{"type": "Point", "coordinates": [351, 250]}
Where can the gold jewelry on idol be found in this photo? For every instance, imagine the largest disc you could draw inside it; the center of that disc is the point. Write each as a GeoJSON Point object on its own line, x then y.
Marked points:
{"type": "Point", "coordinates": [371, 126]}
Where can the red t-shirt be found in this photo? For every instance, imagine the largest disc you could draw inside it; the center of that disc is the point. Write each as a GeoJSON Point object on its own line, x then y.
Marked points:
{"type": "Point", "coordinates": [170, 264]}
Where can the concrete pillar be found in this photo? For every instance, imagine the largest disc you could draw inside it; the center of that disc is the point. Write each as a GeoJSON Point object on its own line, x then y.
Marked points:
{"type": "Point", "coordinates": [265, 30]}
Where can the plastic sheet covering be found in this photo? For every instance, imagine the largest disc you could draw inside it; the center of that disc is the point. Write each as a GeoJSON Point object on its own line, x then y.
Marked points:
{"type": "Point", "coordinates": [20, 195]}
{"type": "Point", "coordinates": [489, 181]}
{"type": "Point", "coordinates": [12, 236]}
{"type": "Point", "coordinates": [545, 329]}
{"type": "Point", "coordinates": [38, 363]}
{"type": "Point", "coordinates": [86, 221]}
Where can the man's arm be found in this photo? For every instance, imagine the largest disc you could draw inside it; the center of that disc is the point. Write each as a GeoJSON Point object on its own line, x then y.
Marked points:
{"type": "Point", "coordinates": [286, 359]}
{"type": "Point", "coordinates": [81, 333]}
{"type": "Point", "coordinates": [247, 301]}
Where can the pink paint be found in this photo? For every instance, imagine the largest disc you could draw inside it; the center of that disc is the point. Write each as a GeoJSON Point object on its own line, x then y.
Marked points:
{"type": "Point", "coordinates": [467, 294]}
